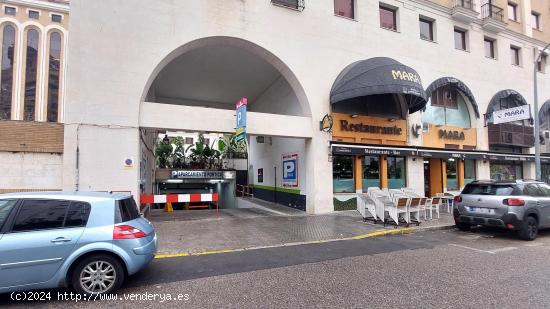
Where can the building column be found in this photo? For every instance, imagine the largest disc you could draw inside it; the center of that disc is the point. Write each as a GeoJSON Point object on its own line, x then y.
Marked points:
{"type": "Point", "coordinates": [319, 190]}
{"type": "Point", "coordinates": [414, 174]}
{"type": "Point", "coordinates": [443, 175]}
{"type": "Point", "coordinates": [460, 173]}
{"type": "Point", "coordinates": [358, 174]}
{"type": "Point", "coordinates": [483, 170]}
{"type": "Point", "coordinates": [383, 172]}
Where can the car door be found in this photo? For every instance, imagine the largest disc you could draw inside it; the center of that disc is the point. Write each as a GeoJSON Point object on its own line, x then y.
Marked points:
{"type": "Point", "coordinates": [544, 204]}
{"type": "Point", "coordinates": [35, 246]}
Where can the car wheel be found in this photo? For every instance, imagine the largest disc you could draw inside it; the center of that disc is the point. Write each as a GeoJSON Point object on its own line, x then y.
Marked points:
{"type": "Point", "coordinates": [97, 274]}
{"type": "Point", "coordinates": [463, 227]}
{"type": "Point", "coordinates": [529, 229]}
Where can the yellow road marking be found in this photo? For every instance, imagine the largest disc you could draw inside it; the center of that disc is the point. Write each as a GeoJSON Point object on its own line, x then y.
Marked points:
{"type": "Point", "coordinates": [362, 236]}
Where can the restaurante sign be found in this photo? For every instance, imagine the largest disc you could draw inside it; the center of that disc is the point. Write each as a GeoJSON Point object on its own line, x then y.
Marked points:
{"type": "Point", "coordinates": [360, 127]}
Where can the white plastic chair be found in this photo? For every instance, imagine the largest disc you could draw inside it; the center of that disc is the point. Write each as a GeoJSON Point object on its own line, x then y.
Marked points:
{"type": "Point", "coordinates": [435, 205]}
{"type": "Point", "coordinates": [414, 210]}
{"type": "Point", "coordinates": [366, 207]}
{"type": "Point", "coordinates": [398, 209]}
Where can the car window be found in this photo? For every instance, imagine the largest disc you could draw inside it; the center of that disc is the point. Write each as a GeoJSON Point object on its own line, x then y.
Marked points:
{"type": "Point", "coordinates": [77, 215]}
{"type": "Point", "coordinates": [126, 210]}
{"type": "Point", "coordinates": [545, 189]}
{"type": "Point", "coordinates": [5, 207]}
{"type": "Point", "coordinates": [40, 214]}
{"type": "Point", "coordinates": [532, 189]}
{"type": "Point", "coordinates": [490, 189]}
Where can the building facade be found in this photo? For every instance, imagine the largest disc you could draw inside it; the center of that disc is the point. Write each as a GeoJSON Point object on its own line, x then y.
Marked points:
{"type": "Point", "coordinates": [33, 38]}
{"type": "Point", "coordinates": [348, 94]}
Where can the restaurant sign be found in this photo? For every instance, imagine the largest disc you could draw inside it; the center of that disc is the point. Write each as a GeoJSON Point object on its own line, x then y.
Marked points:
{"type": "Point", "coordinates": [360, 127]}
{"type": "Point", "coordinates": [522, 112]}
{"type": "Point", "coordinates": [454, 135]}
{"type": "Point", "coordinates": [196, 174]}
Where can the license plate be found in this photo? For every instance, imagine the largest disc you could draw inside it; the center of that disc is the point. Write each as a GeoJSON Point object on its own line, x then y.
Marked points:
{"type": "Point", "coordinates": [485, 211]}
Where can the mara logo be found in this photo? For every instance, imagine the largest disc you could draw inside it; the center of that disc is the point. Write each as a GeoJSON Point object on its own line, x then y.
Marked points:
{"type": "Point", "coordinates": [516, 112]}
{"type": "Point", "coordinates": [404, 75]}
{"type": "Point", "coordinates": [452, 135]}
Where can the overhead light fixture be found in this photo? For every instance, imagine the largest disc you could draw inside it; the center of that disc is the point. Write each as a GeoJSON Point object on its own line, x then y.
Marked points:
{"type": "Point", "coordinates": [391, 119]}
{"type": "Point", "coordinates": [354, 115]}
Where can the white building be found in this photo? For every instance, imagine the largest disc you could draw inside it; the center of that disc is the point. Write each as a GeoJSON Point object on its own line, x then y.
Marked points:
{"type": "Point", "coordinates": [136, 67]}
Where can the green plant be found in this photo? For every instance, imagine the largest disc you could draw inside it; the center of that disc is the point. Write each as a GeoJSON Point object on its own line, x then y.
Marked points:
{"type": "Point", "coordinates": [229, 146]}
{"type": "Point", "coordinates": [163, 151]}
{"type": "Point", "coordinates": [178, 155]}
{"type": "Point", "coordinates": [204, 155]}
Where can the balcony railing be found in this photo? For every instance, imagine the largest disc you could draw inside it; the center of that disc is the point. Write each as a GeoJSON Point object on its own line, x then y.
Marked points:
{"type": "Point", "coordinates": [293, 4]}
{"type": "Point", "coordinates": [510, 134]}
{"type": "Point", "coordinates": [467, 4]}
{"type": "Point", "coordinates": [492, 11]}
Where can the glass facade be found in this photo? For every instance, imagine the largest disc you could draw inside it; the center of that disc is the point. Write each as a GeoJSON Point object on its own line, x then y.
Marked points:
{"type": "Point", "coordinates": [545, 172]}
{"type": "Point", "coordinates": [6, 82]}
{"type": "Point", "coordinates": [31, 70]}
{"type": "Point", "coordinates": [342, 174]}
{"type": "Point", "coordinates": [396, 172]}
{"type": "Point", "coordinates": [371, 172]}
{"type": "Point", "coordinates": [452, 175]}
{"type": "Point", "coordinates": [445, 115]}
{"type": "Point", "coordinates": [54, 68]}
{"type": "Point", "coordinates": [506, 171]}
{"type": "Point", "coordinates": [469, 171]}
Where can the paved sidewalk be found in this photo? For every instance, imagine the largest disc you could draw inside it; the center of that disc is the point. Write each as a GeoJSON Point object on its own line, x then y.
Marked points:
{"type": "Point", "coordinates": [244, 228]}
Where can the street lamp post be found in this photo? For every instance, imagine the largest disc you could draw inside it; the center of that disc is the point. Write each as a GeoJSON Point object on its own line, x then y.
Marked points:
{"type": "Point", "coordinates": [536, 114]}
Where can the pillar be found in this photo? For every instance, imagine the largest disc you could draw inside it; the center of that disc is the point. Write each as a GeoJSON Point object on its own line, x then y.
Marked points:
{"type": "Point", "coordinates": [436, 177]}
{"type": "Point", "coordinates": [383, 172]}
{"type": "Point", "coordinates": [443, 175]}
{"type": "Point", "coordinates": [460, 173]}
{"type": "Point", "coordinates": [358, 174]}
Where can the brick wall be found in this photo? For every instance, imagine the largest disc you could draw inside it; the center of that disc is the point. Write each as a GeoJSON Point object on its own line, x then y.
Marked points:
{"type": "Point", "coordinates": [20, 136]}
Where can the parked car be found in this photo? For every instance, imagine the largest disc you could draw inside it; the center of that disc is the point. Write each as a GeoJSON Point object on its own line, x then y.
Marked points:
{"type": "Point", "coordinates": [521, 205]}
{"type": "Point", "coordinates": [90, 241]}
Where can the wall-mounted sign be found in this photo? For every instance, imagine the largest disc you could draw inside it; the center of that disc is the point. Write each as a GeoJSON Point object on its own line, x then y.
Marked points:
{"type": "Point", "coordinates": [360, 127]}
{"type": "Point", "coordinates": [369, 129]}
{"type": "Point", "coordinates": [197, 174]}
{"type": "Point", "coordinates": [522, 112]}
{"type": "Point", "coordinates": [128, 162]}
{"type": "Point", "coordinates": [450, 134]}
{"type": "Point", "coordinates": [260, 175]}
{"type": "Point", "coordinates": [290, 170]}
{"type": "Point", "coordinates": [240, 130]}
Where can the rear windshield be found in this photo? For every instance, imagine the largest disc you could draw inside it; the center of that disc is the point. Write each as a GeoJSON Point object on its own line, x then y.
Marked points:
{"type": "Point", "coordinates": [126, 210]}
{"type": "Point", "coordinates": [491, 189]}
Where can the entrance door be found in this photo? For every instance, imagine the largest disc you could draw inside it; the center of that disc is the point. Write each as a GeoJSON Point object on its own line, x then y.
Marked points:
{"type": "Point", "coordinates": [436, 177]}
{"type": "Point", "coordinates": [426, 178]}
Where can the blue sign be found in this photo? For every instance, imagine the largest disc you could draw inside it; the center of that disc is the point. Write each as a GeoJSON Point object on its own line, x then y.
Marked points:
{"type": "Point", "coordinates": [241, 119]}
{"type": "Point", "coordinates": [290, 170]}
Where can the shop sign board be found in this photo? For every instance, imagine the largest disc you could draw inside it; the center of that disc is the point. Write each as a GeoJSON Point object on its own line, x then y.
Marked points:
{"type": "Point", "coordinates": [190, 174]}
{"type": "Point", "coordinates": [522, 112]}
{"type": "Point", "coordinates": [290, 170]}
{"type": "Point", "coordinates": [240, 130]}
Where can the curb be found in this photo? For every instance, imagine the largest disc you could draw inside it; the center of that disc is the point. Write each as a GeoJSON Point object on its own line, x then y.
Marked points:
{"type": "Point", "coordinates": [380, 233]}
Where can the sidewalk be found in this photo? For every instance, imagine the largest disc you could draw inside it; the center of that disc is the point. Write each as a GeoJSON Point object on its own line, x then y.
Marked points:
{"type": "Point", "coordinates": [242, 228]}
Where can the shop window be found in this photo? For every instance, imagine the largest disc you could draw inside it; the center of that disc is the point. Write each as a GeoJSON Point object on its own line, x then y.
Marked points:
{"type": "Point", "coordinates": [342, 174]}
{"type": "Point", "coordinates": [426, 29]}
{"type": "Point", "coordinates": [371, 172]}
{"type": "Point", "coordinates": [506, 171]}
{"type": "Point", "coordinates": [460, 39]}
{"type": "Point", "coordinates": [6, 85]}
{"type": "Point", "coordinates": [545, 173]}
{"type": "Point", "coordinates": [31, 70]}
{"type": "Point", "coordinates": [452, 175]}
{"type": "Point", "coordinates": [469, 171]}
{"type": "Point", "coordinates": [396, 172]}
{"type": "Point", "coordinates": [344, 8]}
{"type": "Point", "coordinates": [388, 18]}
{"type": "Point", "coordinates": [447, 107]}
{"type": "Point", "coordinates": [54, 70]}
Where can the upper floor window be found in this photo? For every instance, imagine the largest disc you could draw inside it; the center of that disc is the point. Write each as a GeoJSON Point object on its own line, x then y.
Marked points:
{"type": "Point", "coordinates": [512, 11]}
{"type": "Point", "coordinates": [445, 97]}
{"type": "Point", "coordinates": [447, 107]}
{"type": "Point", "coordinates": [515, 54]}
{"type": "Point", "coordinates": [345, 8]}
{"type": "Point", "coordinates": [6, 82]}
{"type": "Point", "coordinates": [189, 140]}
{"type": "Point", "coordinates": [535, 20]}
{"type": "Point", "coordinates": [426, 29]}
{"type": "Point", "coordinates": [56, 18]}
{"type": "Point", "coordinates": [9, 10]}
{"type": "Point", "coordinates": [34, 14]}
{"type": "Point", "coordinates": [489, 48]}
{"type": "Point", "coordinates": [460, 39]}
{"type": "Point", "coordinates": [31, 70]}
{"type": "Point", "coordinates": [541, 65]}
{"type": "Point", "coordinates": [388, 18]}
{"type": "Point", "coordinates": [54, 71]}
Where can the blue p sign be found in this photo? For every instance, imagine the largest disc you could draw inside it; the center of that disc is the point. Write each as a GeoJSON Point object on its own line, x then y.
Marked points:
{"type": "Point", "coordinates": [289, 170]}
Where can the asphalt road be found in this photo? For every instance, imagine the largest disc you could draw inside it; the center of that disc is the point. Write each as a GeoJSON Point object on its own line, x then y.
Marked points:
{"type": "Point", "coordinates": [438, 269]}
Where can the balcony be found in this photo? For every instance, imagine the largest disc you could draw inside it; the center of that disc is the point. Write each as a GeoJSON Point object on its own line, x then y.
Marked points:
{"type": "Point", "coordinates": [464, 11]}
{"type": "Point", "coordinates": [508, 134]}
{"type": "Point", "coordinates": [492, 18]}
{"type": "Point", "coordinates": [293, 4]}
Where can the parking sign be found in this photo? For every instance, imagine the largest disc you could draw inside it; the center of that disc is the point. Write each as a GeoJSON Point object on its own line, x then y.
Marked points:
{"type": "Point", "coordinates": [290, 170]}
{"type": "Point", "coordinates": [241, 119]}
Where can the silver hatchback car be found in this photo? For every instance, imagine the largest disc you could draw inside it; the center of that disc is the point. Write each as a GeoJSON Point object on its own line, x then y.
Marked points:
{"type": "Point", "coordinates": [90, 241]}
{"type": "Point", "coordinates": [521, 205]}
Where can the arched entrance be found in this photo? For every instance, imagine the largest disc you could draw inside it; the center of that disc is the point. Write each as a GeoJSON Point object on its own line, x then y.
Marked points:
{"type": "Point", "coordinates": [451, 108]}
{"type": "Point", "coordinates": [190, 98]}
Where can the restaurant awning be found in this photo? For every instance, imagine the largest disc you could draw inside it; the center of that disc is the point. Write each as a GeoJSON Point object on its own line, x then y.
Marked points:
{"type": "Point", "coordinates": [505, 94]}
{"type": "Point", "coordinates": [380, 75]}
{"type": "Point", "coordinates": [458, 85]}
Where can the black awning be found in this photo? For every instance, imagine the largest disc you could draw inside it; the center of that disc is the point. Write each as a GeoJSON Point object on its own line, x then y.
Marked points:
{"type": "Point", "coordinates": [458, 85]}
{"type": "Point", "coordinates": [505, 94]}
{"type": "Point", "coordinates": [379, 75]}
{"type": "Point", "coordinates": [544, 113]}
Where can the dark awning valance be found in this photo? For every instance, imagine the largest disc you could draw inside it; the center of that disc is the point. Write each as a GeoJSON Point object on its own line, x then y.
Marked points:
{"type": "Point", "coordinates": [505, 94]}
{"type": "Point", "coordinates": [379, 75]}
{"type": "Point", "coordinates": [458, 85]}
{"type": "Point", "coordinates": [544, 113]}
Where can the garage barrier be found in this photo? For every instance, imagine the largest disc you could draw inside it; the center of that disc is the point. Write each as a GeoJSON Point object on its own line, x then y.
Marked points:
{"type": "Point", "coordinates": [181, 198]}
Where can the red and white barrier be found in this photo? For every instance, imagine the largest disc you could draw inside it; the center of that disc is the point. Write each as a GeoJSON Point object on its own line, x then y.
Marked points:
{"type": "Point", "coordinates": [178, 198]}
